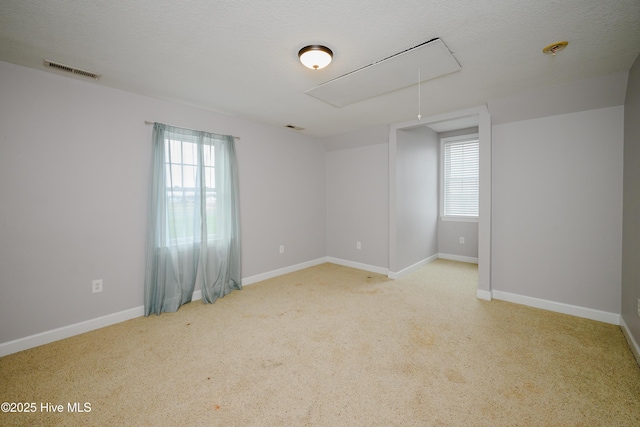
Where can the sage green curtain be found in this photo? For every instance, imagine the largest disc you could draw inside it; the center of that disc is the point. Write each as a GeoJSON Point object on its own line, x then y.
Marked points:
{"type": "Point", "coordinates": [193, 238]}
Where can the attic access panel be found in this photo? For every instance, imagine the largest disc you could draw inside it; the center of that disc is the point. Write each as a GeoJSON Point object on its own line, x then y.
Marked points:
{"type": "Point", "coordinates": [433, 59]}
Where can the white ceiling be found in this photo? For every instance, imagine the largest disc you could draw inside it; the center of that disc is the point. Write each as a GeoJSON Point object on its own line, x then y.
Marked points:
{"type": "Point", "coordinates": [239, 57]}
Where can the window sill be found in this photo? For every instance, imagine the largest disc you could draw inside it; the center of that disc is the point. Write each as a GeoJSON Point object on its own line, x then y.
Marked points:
{"type": "Point", "coordinates": [188, 245]}
{"type": "Point", "coordinates": [459, 218]}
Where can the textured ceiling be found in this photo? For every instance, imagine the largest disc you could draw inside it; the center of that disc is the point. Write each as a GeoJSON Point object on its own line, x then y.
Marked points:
{"type": "Point", "coordinates": [239, 57]}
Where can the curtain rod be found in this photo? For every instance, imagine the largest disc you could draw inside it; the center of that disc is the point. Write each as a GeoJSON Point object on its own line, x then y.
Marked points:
{"type": "Point", "coordinates": [147, 122]}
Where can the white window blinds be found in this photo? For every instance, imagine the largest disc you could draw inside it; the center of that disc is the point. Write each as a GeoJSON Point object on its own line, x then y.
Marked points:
{"type": "Point", "coordinates": [460, 176]}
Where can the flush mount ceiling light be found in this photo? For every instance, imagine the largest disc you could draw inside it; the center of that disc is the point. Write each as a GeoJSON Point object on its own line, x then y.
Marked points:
{"type": "Point", "coordinates": [555, 47]}
{"type": "Point", "coordinates": [315, 56]}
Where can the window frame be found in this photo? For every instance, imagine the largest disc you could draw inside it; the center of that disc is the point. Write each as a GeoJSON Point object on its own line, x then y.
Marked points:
{"type": "Point", "coordinates": [186, 242]}
{"type": "Point", "coordinates": [443, 142]}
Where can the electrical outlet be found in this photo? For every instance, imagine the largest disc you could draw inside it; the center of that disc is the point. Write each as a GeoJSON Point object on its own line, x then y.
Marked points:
{"type": "Point", "coordinates": [96, 286]}
{"type": "Point", "coordinates": [462, 240]}
{"type": "Point", "coordinates": [281, 249]}
{"type": "Point", "coordinates": [358, 245]}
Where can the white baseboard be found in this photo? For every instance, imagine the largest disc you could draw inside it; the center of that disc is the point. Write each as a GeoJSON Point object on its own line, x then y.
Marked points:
{"type": "Point", "coordinates": [68, 331]}
{"type": "Point", "coordinates": [358, 265]}
{"type": "Point", "coordinates": [460, 258]}
{"type": "Point", "coordinates": [574, 310]}
{"type": "Point", "coordinates": [635, 348]}
{"type": "Point", "coordinates": [47, 337]}
{"type": "Point", "coordinates": [484, 295]}
{"type": "Point", "coordinates": [412, 268]}
{"type": "Point", "coordinates": [279, 272]}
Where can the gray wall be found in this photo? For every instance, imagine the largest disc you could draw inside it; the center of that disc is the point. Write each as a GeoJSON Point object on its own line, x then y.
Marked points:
{"type": "Point", "coordinates": [557, 208]}
{"type": "Point", "coordinates": [416, 196]}
{"type": "Point", "coordinates": [74, 168]}
{"type": "Point", "coordinates": [375, 135]}
{"type": "Point", "coordinates": [449, 234]}
{"type": "Point", "coordinates": [282, 198]}
{"type": "Point", "coordinates": [358, 203]}
{"type": "Point", "coordinates": [631, 213]}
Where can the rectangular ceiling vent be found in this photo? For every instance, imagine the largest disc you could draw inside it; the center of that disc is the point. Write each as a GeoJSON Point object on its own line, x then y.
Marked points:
{"type": "Point", "coordinates": [395, 72]}
{"type": "Point", "coordinates": [72, 70]}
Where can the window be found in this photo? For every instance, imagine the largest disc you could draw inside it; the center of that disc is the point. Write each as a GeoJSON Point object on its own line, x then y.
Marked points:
{"type": "Point", "coordinates": [193, 235]}
{"type": "Point", "coordinates": [460, 181]}
{"type": "Point", "coordinates": [184, 158]}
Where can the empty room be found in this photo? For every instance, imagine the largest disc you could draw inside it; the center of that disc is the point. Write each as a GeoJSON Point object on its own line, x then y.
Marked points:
{"type": "Point", "coordinates": [372, 213]}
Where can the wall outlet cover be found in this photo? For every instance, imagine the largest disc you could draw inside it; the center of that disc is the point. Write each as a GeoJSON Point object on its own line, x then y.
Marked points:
{"type": "Point", "coordinates": [96, 286]}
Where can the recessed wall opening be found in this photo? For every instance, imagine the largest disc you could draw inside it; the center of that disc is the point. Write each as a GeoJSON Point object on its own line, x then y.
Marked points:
{"type": "Point", "coordinates": [418, 232]}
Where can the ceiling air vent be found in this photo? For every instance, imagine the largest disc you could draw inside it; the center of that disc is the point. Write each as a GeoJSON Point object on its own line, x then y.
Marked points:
{"type": "Point", "coordinates": [72, 70]}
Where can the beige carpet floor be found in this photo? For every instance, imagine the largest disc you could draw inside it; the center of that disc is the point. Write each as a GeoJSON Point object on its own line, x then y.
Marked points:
{"type": "Point", "coordinates": [334, 346]}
